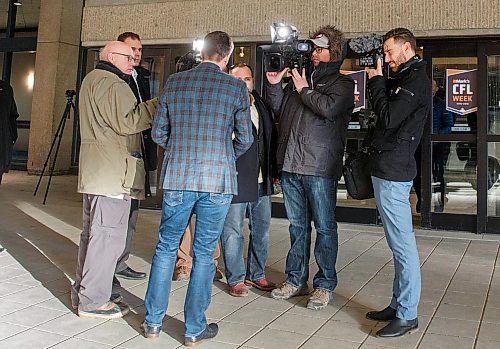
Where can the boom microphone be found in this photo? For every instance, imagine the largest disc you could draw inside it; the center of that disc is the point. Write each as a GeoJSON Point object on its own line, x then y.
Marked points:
{"type": "Point", "coordinates": [370, 48]}
{"type": "Point", "coordinates": [366, 43]}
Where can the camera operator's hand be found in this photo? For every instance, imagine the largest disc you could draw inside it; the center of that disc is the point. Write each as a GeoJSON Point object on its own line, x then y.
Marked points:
{"type": "Point", "coordinates": [375, 72]}
{"type": "Point", "coordinates": [275, 77]}
{"type": "Point", "coordinates": [300, 81]}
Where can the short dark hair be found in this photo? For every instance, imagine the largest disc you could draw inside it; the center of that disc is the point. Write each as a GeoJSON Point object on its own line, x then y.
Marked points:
{"type": "Point", "coordinates": [401, 35]}
{"type": "Point", "coordinates": [241, 65]}
{"type": "Point", "coordinates": [124, 36]}
{"type": "Point", "coordinates": [336, 41]}
{"type": "Point", "coordinates": [216, 46]}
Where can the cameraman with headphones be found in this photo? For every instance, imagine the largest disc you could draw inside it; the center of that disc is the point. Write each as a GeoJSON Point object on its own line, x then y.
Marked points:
{"type": "Point", "coordinates": [401, 103]}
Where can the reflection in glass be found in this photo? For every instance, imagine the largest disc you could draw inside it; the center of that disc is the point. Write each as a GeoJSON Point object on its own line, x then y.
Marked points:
{"type": "Point", "coordinates": [461, 123]}
{"type": "Point", "coordinates": [494, 95]}
{"type": "Point", "coordinates": [454, 180]}
{"type": "Point", "coordinates": [494, 179]}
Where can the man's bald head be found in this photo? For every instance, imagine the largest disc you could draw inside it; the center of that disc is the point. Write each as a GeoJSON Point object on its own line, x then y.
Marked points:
{"type": "Point", "coordinates": [119, 54]}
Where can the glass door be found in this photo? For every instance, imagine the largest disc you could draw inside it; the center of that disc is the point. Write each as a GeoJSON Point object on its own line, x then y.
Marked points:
{"type": "Point", "coordinates": [491, 173]}
{"type": "Point", "coordinates": [161, 64]}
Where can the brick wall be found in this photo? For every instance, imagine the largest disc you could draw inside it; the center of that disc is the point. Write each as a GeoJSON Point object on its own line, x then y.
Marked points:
{"type": "Point", "coordinates": [163, 22]}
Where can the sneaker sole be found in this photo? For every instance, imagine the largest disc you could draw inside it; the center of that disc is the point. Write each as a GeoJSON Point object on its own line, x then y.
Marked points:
{"type": "Point", "coordinates": [297, 294]}
{"type": "Point", "coordinates": [121, 314]}
{"type": "Point", "coordinates": [316, 307]}
{"type": "Point", "coordinates": [116, 300]}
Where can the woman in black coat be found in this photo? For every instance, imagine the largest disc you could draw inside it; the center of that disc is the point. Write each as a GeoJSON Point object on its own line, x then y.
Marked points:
{"type": "Point", "coordinates": [8, 127]}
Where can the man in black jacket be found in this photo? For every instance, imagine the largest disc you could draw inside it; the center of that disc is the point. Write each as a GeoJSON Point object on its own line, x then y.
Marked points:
{"type": "Point", "coordinates": [402, 102]}
{"type": "Point", "coordinates": [139, 83]}
{"type": "Point", "coordinates": [314, 112]}
{"type": "Point", "coordinates": [255, 186]}
{"type": "Point", "coordinates": [8, 126]}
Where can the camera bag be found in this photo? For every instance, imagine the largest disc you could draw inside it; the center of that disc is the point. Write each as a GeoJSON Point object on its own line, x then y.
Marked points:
{"type": "Point", "coordinates": [357, 169]}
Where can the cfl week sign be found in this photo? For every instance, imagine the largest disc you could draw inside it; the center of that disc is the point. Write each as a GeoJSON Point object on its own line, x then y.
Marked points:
{"type": "Point", "coordinates": [359, 78]}
{"type": "Point", "coordinates": [461, 91]}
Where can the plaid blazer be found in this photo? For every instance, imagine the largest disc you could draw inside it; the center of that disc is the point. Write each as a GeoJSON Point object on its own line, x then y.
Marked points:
{"type": "Point", "coordinates": [198, 112]}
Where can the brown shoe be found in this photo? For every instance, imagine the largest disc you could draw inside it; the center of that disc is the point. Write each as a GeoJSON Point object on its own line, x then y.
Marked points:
{"type": "Point", "coordinates": [262, 284]}
{"type": "Point", "coordinates": [238, 290]}
{"type": "Point", "coordinates": [218, 274]}
{"type": "Point", "coordinates": [182, 273]}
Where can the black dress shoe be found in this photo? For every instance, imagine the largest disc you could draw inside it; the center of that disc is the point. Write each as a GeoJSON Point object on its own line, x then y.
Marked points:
{"type": "Point", "coordinates": [388, 314]}
{"type": "Point", "coordinates": [131, 274]}
{"type": "Point", "coordinates": [398, 327]}
{"type": "Point", "coordinates": [116, 282]}
{"type": "Point", "coordinates": [210, 332]}
{"type": "Point", "coordinates": [150, 331]}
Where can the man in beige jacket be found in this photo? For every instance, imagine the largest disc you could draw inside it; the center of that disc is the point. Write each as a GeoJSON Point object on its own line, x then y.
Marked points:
{"type": "Point", "coordinates": [111, 173]}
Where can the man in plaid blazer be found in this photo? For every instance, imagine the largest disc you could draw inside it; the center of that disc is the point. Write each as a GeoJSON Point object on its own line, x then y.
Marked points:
{"type": "Point", "coordinates": [203, 122]}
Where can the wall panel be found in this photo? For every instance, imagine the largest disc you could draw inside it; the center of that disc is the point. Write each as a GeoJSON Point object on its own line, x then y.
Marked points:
{"type": "Point", "coordinates": [160, 22]}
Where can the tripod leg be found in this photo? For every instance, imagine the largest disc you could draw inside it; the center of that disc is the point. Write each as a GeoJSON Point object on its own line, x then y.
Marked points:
{"type": "Point", "coordinates": [54, 161]}
{"type": "Point", "coordinates": [60, 128]}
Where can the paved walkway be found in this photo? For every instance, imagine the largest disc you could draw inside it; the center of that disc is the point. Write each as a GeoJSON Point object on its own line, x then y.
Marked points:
{"type": "Point", "coordinates": [460, 305]}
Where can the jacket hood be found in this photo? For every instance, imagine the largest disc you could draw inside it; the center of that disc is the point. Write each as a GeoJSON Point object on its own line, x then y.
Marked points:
{"type": "Point", "coordinates": [103, 65]}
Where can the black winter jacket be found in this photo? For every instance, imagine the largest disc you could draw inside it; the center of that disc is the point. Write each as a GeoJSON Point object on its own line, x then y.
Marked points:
{"type": "Point", "coordinates": [401, 104]}
{"type": "Point", "coordinates": [262, 154]}
{"type": "Point", "coordinates": [143, 94]}
{"type": "Point", "coordinates": [8, 126]}
{"type": "Point", "coordinates": [313, 124]}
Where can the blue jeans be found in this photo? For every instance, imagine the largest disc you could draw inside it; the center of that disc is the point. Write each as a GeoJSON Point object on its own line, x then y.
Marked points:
{"type": "Point", "coordinates": [393, 204]}
{"type": "Point", "coordinates": [210, 210]}
{"type": "Point", "coordinates": [311, 198]}
{"type": "Point", "coordinates": [259, 213]}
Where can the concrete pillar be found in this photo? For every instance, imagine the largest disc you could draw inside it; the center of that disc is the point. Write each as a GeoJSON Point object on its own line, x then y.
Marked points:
{"type": "Point", "coordinates": [55, 72]}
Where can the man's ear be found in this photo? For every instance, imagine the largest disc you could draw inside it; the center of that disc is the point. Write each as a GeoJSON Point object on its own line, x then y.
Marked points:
{"type": "Point", "coordinates": [407, 47]}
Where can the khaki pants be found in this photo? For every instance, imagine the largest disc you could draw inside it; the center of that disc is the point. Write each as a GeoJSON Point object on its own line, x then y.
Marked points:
{"type": "Point", "coordinates": [121, 265]}
{"type": "Point", "coordinates": [184, 255]}
{"type": "Point", "coordinates": [105, 222]}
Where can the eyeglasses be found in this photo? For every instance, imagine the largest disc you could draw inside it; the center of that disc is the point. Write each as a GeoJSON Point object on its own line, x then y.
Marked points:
{"type": "Point", "coordinates": [318, 49]}
{"type": "Point", "coordinates": [129, 57]}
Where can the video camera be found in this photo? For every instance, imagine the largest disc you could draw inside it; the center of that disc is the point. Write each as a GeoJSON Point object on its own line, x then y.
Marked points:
{"type": "Point", "coordinates": [287, 50]}
{"type": "Point", "coordinates": [70, 93]}
{"type": "Point", "coordinates": [191, 59]}
{"type": "Point", "coordinates": [370, 47]}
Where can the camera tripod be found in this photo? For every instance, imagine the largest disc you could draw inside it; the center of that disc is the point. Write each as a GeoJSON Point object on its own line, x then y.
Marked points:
{"type": "Point", "coordinates": [57, 139]}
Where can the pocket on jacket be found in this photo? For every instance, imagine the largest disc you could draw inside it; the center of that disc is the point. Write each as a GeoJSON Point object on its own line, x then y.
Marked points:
{"type": "Point", "coordinates": [172, 198]}
{"type": "Point", "coordinates": [315, 156]}
{"type": "Point", "coordinates": [135, 174]}
{"type": "Point", "coordinates": [220, 199]}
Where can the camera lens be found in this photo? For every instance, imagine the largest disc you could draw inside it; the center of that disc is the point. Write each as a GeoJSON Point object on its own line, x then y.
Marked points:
{"type": "Point", "coordinates": [275, 62]}
{"type": "Point", "coordinates": [303, 47]}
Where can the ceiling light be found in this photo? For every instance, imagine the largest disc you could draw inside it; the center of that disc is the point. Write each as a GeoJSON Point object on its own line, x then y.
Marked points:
{"type": "Point", "coordinates": [18, 3]}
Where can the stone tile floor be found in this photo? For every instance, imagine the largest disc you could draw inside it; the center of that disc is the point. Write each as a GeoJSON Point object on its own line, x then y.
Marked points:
{"type": "Point", "coordinates": [460, 304]}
